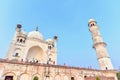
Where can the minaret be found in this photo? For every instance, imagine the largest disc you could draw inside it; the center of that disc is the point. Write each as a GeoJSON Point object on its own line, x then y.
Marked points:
{"type": "Point", "coordinates": [100, 46]}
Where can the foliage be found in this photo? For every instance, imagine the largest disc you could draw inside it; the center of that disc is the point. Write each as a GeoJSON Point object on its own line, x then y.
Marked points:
{"type": "Point", "coordinates": [35, 78]}
{"type": "Point", "coordinates": [97, 78]}
{"type": "Point", "coordinates": [118, 75]}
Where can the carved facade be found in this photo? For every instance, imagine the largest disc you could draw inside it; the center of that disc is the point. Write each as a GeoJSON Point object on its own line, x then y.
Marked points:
{"type": "Point", "coordinates": [30, 57]}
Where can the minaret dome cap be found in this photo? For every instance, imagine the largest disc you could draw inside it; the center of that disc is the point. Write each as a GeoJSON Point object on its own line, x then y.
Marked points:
{"type": "Point", "coordinates": [55, 37]}
{"type": "Point", "coordinates": [91, 20]}
{"type": "Point", "coordinates": [19, 25]}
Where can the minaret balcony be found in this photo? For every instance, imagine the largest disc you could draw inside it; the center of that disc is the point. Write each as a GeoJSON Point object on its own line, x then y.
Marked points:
{"type": "Point", "coordinates": [103, 57]}
{"type": "Point", "coordinates": [99, 43]}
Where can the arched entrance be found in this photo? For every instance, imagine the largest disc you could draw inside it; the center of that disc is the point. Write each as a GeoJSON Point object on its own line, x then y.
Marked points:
{"type": "Point", "coordinates": [35, 53]}
{"type": "Point", "coordinates": [9, 76]}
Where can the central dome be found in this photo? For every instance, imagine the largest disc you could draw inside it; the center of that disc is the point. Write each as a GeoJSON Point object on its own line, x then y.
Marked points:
{"type": "Point", "coordinates": [35, 34]}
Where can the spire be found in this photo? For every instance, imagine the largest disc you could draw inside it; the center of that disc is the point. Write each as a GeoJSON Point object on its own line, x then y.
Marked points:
{"type": "Point", "coordinates": [37, 28]}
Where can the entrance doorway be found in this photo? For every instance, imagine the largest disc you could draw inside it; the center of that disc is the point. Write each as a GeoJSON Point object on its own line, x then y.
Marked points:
{"type": "Point", "coordinates": [8, 78]}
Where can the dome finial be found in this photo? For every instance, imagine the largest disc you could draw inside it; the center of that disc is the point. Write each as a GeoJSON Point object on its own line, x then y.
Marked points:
{"type": "Point", "coordinates": [37, 28]}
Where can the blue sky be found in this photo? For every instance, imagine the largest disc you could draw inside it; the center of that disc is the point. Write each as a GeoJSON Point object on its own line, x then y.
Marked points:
{"type": "Point", "coordinates": [68, 19]}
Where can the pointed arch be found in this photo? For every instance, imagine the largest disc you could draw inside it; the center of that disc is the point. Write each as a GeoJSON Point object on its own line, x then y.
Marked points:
{"type": "Point", "coordinates": [35, 52]}
{"type": "Point", "coordinates": [9, 74]}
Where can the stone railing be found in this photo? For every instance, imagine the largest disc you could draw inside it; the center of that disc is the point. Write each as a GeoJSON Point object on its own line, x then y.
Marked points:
{"type": "Point", "coordinates": [48, 65]}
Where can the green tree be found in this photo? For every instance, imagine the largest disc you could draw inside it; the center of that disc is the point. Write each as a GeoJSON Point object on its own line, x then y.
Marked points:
{"type": "Point", "coordinates": [118, 75]}
{"type": "Point", "coordinates": [36, 78]}
{"type": "Point", "coordinates": [97, 78]}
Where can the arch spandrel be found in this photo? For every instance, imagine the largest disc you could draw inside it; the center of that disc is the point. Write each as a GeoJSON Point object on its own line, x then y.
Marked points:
{"type": "Point", "coordinates": [48, 77]}
{"type": "Point", "coordinates": [57, 77]}
{"type": "Point", "coordinates": [65, 77]}
{"type": "Point", "coordinates": [24, 76]}
{"type": "Point", "coordinates": [80, 78]}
